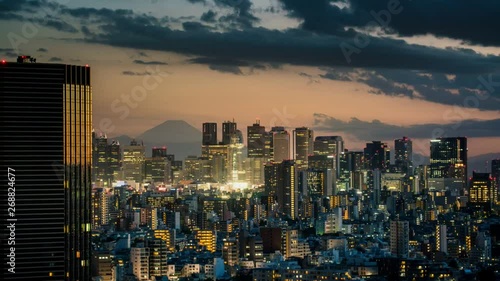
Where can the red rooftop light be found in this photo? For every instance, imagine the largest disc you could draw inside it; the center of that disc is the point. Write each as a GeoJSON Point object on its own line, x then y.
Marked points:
{"type": "Point", "coordinates": [3, 61]}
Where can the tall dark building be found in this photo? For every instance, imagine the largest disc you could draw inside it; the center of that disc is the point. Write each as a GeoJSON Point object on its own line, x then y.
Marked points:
{"type": "Point", "coordinates": [256, 136]}
{"type": "Point", "coordinates": [281, 184]}
{"type": "Point", "coordinates": [209, 134]}
{"type": "Point", "coordinates": [495, 172]}
{"type": "Point", "coordinates": [403, 150]}
{"type": "Point", "coordinates": [449, 158]}
{"type": "Point", "coordinates": [46, 145]}
{"type": "Point", "coordinates": [377, 156]}
{"type": "Point", "coordinates": [482, 191]}
{"type": "Point", "coordinates": [228, 129]}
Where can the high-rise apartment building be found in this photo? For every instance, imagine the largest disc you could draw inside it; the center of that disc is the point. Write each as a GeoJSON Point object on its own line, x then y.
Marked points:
{"type": "Point", "coordinates": [46, 146]}
{"type": "Point", "coordinates": [400, 238]}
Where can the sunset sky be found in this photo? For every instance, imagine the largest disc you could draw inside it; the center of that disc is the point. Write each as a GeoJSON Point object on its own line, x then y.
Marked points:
{"type": "Point", "coordinates": [366, 70]}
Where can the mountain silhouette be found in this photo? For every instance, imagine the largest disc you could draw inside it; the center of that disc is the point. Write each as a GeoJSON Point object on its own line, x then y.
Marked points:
{"type": "Point", "coordinates": [180, 138]}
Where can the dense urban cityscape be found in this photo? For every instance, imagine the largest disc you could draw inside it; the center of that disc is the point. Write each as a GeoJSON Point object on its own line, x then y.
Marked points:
{"type": "Point", "coordinates": [249, 140]}
{"type": "Point", "coordinates": [291, 206]}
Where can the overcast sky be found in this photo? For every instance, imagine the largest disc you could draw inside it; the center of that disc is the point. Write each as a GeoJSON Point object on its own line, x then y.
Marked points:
{"type": "Point", "coordinates": [366, 70]}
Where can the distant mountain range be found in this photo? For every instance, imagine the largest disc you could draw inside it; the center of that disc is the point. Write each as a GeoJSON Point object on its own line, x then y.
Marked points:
{"type": "Point", "coordinates": [180, 138]}
{"type": "Point", "coordinates": [183, 140]}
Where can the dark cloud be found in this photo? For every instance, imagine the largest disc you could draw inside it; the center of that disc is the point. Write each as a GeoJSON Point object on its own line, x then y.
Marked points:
{"type": "Point", "coordinates": [197, 1]}
{"type": "Point", "coordinates": [467, 90]}
{"type": "Point", "coordinates": [57, 25]}
{"type": "Point", "coordinates": [193, 26]}
{"type": "Point", "coordinates": [317, 43]}
{"type": "Point", "coordinates": [133, 73]}
{"type": "Point", "coordinates": [42, 50]}
{"type": "Point", "coordinates": [242, 12]}
{"type": "Point", "coordinates": [149, 62]}
{"type": "Point", "coordinates": [55, 59]}
{"type": "Point", "coordinates": [209, 16]}
{"type": "Point", "coordinates": [377, 130]}
{"type": "Point", "coordinates": [458, 19]}
{"type": "Point", "coordinates": [228, 65]}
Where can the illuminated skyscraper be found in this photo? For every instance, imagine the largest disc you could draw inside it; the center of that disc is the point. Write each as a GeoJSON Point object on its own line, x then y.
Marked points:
{"type": "Point", "coordinates": [236, 169]}
{"type": "Point", "coordinates": [448, 155]}
{"type": "Point", "coordinates": [482, 191]}
{"type": "Point", "coordinates": [209, 134]}
{"type": "Point", "coordinates": [46, 144]}
{"type": "Point", "coordinates": [256, 136]}
{"type": "Point", "coordinates": [134, 156]}
{"type": "Point", "coordinates": [330, 146]}
{"type": "Point", "coordinates": [114, 160]}
{"type": "Point", "coordinates": [403, 150]}
{"type": "Point", "coordinates": [303, 146]}
{"type": "Point", "coordinates": [100, 158]}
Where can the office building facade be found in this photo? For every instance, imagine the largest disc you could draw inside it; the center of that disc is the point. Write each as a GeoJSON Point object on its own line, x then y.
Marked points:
{"type": "Point", "coordinates": [46, 143]}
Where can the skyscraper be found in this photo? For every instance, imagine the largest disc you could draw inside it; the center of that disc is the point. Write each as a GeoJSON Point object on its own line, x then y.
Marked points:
{"type": "Point", "coordinates": [256, 139]}
{"type": "Point", "coordinates": [400, 238]}
{"type": "Point", "coordinates": [46, 145]}
{"type": "Point", "coordinates": [209, 134]}
{"type": "Point", "coordinates": [281, 145]}
{"type": "Point", "coordinates": [134, 161]}
{"type": "Point", "coordinates": [403, 150]}
{"type": "Point", "coordinates": [495, 172]}
{"type": "Point", "coordinates": [100, 158]}
{"type": "Point", "coordinates": [377, 156]}
{"type": "Point", "coordinates": [330, 146]}
{"type": "Point", "coordinates": [447, 156]}
{"type": "Point", "coordinates": [281, 183]}
{"type": "Point", "coordinates": [482, 191]}
{"type": "Point", "coordinates": [228, 129]}
{"type": "Point", "coordinates": [303, 146]}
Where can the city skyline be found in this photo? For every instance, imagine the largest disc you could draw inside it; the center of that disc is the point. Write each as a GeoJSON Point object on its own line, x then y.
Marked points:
{"type": "Point", "coordinates": [369, 96]}
{"type": "Point", "coordinates": [262, 140]}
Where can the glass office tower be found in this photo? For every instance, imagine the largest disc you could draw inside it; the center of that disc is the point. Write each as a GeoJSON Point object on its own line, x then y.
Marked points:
{"type": "Point", "coordinates": [46, 142]}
